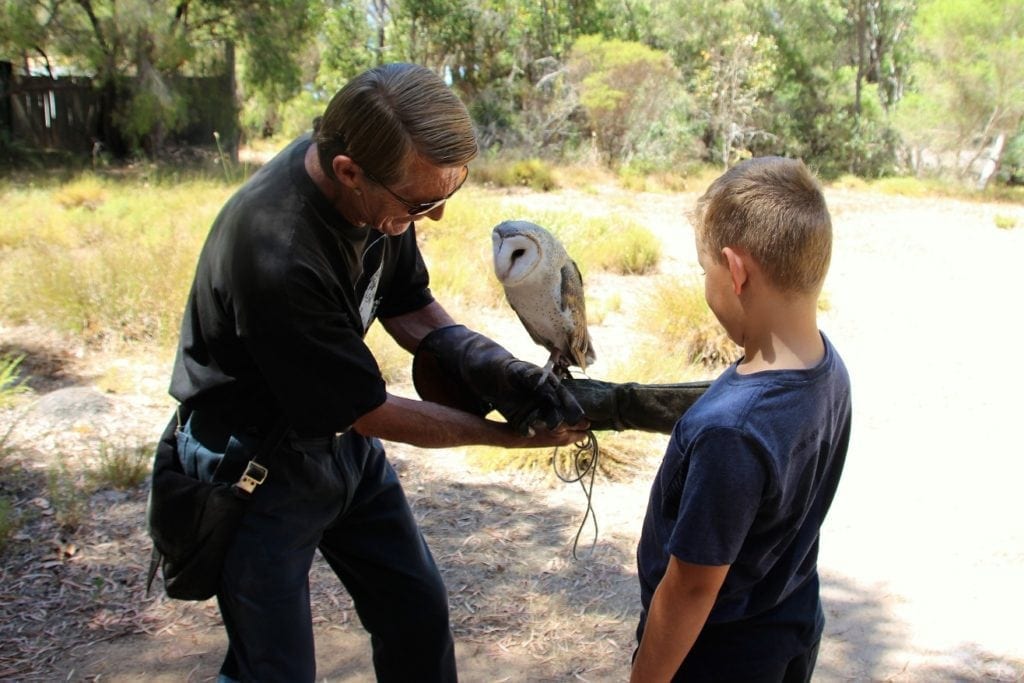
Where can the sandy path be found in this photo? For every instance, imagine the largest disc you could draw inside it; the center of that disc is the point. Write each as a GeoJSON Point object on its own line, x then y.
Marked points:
{"type": "Point", "coordinates": [924, 551]}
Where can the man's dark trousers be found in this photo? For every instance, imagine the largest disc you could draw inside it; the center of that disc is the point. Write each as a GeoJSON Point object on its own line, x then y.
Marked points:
{"type": "Point", "coordinates": [339, 494]}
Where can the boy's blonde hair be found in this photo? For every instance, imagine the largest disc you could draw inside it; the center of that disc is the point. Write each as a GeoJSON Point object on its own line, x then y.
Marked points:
{"type": "Point", "coordinates": [772, 208]}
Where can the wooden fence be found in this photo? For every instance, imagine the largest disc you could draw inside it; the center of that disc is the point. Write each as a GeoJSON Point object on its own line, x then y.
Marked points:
{"type": "Point", "coordinates": [68, 113]}
{"type": "Point", "coordinates": [60, 113]}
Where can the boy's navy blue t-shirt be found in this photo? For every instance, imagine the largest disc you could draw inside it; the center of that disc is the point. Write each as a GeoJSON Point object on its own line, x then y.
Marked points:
{"type": "Point", "coordinates": [747, 478]}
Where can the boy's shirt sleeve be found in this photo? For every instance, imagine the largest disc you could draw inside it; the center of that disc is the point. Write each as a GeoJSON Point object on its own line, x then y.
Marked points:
{"type": "Point", "coordinates": [720, 489]}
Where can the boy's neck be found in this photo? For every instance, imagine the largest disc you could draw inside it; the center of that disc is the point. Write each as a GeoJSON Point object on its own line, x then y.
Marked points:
{"type": "Point", "coordinates": [788, 339]}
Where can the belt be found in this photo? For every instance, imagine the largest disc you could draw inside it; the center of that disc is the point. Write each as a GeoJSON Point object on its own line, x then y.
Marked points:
{"type": "Point", "coordinates": [317, 443]}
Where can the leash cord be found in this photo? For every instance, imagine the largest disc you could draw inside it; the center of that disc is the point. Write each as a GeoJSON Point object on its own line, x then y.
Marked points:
{"type": "Point", "coordinates": [584, 458]}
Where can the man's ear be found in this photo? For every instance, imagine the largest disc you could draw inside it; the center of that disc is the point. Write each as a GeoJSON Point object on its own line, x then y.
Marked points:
{"type": "Point", "coordinates": [347, 172]}
{"type": "Point", "coordinates": [737, 269]}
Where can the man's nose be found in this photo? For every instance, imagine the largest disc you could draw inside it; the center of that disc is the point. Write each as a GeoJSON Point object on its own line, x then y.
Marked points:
{"type": "Point", "coordinates": [434, 214]}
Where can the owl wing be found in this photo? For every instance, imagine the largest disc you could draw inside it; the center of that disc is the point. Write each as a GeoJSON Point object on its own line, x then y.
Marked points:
{"type": "Point", "coordinates": [580, 348]}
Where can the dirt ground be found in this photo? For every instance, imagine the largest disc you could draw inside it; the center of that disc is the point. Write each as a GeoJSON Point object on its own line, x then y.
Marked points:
{"type": "Point", "coordinates": [922, 557]}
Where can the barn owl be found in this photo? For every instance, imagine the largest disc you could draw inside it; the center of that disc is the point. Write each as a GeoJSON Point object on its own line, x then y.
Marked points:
{"type": "Point", "coordinates": [545, 289]}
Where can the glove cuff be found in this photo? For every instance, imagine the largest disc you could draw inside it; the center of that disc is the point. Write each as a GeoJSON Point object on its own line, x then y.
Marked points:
{"type": "Point", "coordinates": [436, 372]}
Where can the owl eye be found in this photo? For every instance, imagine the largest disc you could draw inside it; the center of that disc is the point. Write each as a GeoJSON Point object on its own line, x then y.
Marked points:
{"type": "Point", "coordinates": [517, 253]}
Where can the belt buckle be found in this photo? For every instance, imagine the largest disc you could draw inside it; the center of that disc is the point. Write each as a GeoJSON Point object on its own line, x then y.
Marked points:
{"type": "Point", "coordinates": [254, 475]}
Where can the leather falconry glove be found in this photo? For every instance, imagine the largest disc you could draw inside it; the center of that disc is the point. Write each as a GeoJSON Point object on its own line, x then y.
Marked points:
{"type": "Point", "coordinates": [645, 407]}
{"type": "Point", "coordinates": [463, 369]}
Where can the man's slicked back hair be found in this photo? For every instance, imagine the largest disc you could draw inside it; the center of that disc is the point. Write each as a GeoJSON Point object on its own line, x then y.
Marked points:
{"type": "Point", "coordinates": [391, 112]}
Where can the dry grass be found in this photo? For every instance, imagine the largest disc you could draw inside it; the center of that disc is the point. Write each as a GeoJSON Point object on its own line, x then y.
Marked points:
{"type": "Point", "coordinates": [108, 259]}
{"type": "Point", "coordinates": [682, 321]}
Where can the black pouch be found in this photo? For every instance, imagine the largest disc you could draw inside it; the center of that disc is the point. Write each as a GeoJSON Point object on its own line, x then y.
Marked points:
{"type": "Point", "coordinates": [192, 521]}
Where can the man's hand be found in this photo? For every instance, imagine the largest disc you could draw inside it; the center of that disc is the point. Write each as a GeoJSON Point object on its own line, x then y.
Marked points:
{"type": "Point", "coordinates": [461, 368]}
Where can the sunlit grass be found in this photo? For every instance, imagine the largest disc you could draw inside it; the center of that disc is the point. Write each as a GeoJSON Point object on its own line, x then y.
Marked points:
{"type": "Point", "coordinates": [919, 188]}
{"type": "Point", "coordinates": [393, 361]}
{"type": "Point", "coordinates": [534, 174]}
{"type": "Point", "coordinates": [109, 259]}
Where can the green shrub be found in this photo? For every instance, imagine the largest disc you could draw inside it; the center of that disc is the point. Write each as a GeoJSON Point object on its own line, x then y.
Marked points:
{"type": "Point", "coordinates": [904, 186]}
{"type": "Point", "coordinates": [849, 182]}
{"type": "Point", "coordinates": [121, 467]}
{"type": "Point", "coordinates": [612, 243]}
{"type": "Point", "coordinates": [87, 191]}
{"type": "Point", "coordinates": [66, 497]}
{"type": "Point", "coordinates": [534, 174]}
{"type": "Point", "coordinates": [12, 384]}
{"type": "Point", "coordinates": [631, 97]}
{"type": "Point", "coordinates": [1004, 222]}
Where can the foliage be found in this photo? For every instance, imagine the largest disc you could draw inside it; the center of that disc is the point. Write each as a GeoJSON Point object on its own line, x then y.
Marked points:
{"type": "Point", "coordinates": [66, 495]}
{"type": "Point", "coordinates": [1011, 168]}
{"type": "Point", "coordinates": [1004, 222]}
{"type": "Point", "coordinates": [533, 173]}
{"type": "Point", "coordinates": [733, 77]}
{"type": "Point", "coordinates": [630, 94]}
{"type": "Point", "coordinates": [683, 322]}
{"type": "Point", "coordinates": [135, 49]}
{"type": "Point", "coordinates": [969, 74]}
{"type": "Point", "coordinates": [121, 467]}
{"type": "Point", "coordinates": [12, 385]}
{"type": "Point", "coordinates": [617, 246]}
{"type": "Point", "coordinates": [861, 87]}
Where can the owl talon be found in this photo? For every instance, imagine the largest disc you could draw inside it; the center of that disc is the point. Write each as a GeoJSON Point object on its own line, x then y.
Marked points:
{"type": "Point", "coordinates": [548, 372]}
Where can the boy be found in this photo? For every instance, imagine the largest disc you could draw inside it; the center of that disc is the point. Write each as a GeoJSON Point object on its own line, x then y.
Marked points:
{"type": "Point", "coordinates": [727, 558]}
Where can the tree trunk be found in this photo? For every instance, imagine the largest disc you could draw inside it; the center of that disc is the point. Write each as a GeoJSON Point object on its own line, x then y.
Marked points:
{"type": "Point", "coordinates": [991, 161]}
{"type": "Point", "coordinates": [861, 28]}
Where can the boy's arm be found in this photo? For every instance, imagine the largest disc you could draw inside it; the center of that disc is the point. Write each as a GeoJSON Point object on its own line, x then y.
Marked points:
{"type": "Point", "coordinates": [679, 609]}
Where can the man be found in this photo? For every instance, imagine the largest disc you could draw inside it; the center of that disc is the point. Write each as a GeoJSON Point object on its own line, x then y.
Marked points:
{"type": "Point", "coordinates": [299, 263]}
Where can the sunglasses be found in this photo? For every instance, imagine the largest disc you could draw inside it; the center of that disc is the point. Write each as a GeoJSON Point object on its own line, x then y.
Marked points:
{"type": "Point", "coordinates": [419, 208]}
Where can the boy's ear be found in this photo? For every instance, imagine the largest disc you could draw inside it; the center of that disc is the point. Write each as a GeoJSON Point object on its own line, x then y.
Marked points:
{"type": "Point", "coordinates": [737, 269]}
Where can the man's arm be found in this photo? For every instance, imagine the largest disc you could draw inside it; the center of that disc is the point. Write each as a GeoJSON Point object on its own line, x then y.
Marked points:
{"type": "Point", "coordinates": [678, 611]}
{"type": "Point", "coordinates": [410, 328]}
{"type": "Point", "coordinates": [432, 425]}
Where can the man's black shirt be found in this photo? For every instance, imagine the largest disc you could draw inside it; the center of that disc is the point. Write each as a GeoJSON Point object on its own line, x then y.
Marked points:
{"type": "Point", "coordinates": [283, 294]}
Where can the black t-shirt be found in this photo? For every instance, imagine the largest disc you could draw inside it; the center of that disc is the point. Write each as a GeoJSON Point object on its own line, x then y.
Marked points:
{"type": "Point", "coordinates": [283, 294]}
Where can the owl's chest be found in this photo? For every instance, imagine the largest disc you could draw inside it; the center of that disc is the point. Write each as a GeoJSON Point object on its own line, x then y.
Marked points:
{"type": "Point", "coordinates": [539, 305]}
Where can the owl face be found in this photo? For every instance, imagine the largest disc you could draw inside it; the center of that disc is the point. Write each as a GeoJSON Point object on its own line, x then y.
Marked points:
{"type": "Point", "coordinates": [517, 251]}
